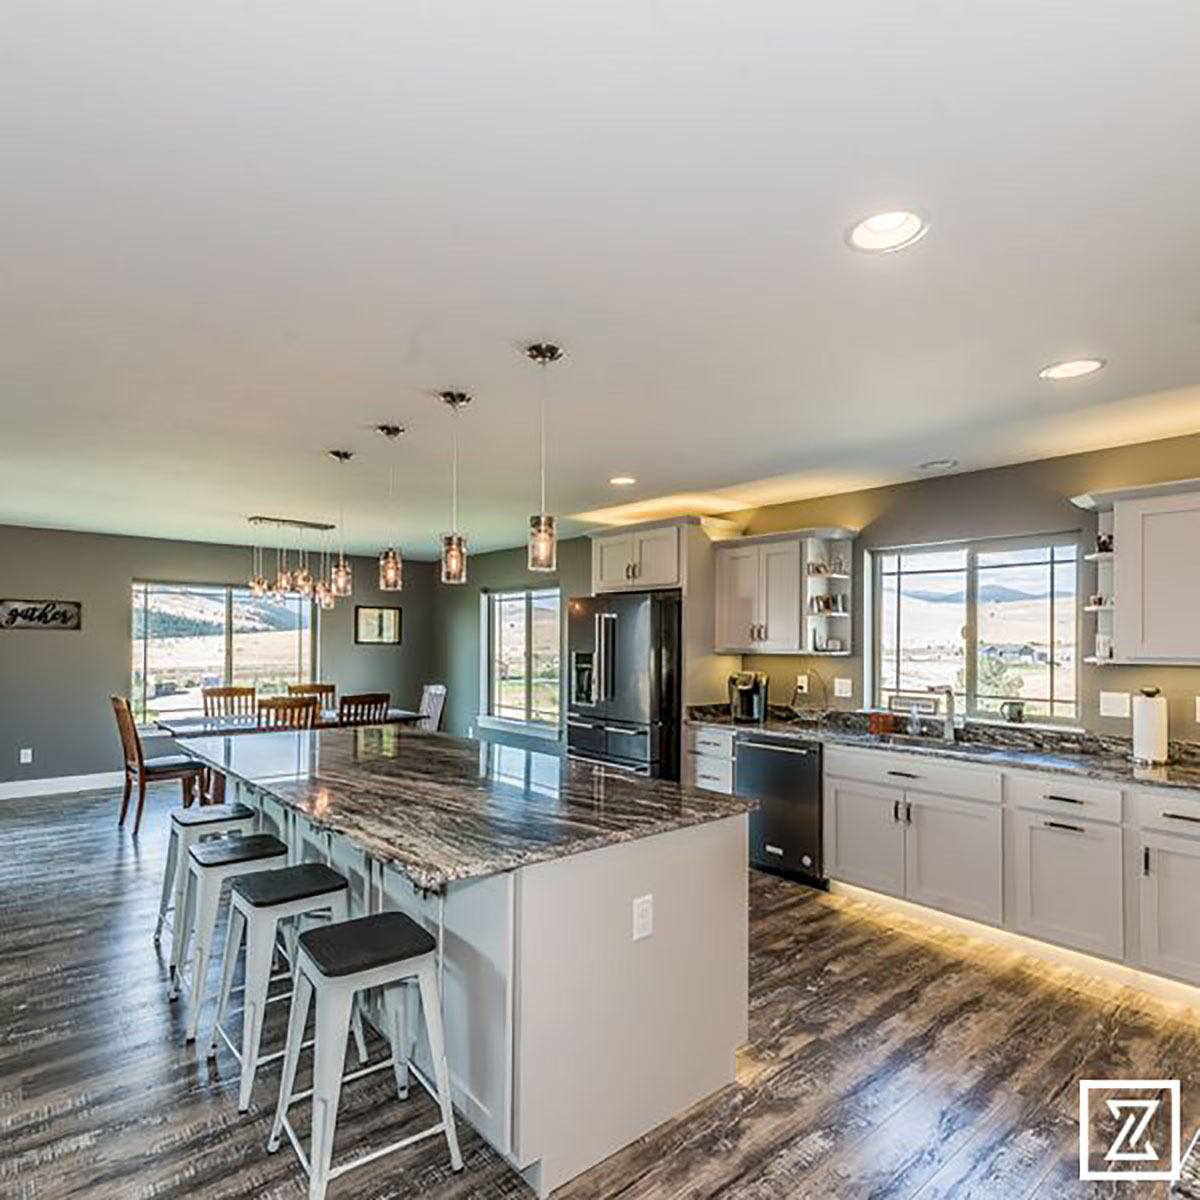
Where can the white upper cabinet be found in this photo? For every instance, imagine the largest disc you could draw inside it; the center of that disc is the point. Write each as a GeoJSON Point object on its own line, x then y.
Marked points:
{"type": "Point", "coordinates": [645, 558]}
{"type": "Point", "coordinates": [780, 598]}
{"type": "Point", "coordinates": [1157, 578]}
{"type": "Point", "coordinates": [759, 597]}
{"type": "Point", "coordinates": [737, 596]}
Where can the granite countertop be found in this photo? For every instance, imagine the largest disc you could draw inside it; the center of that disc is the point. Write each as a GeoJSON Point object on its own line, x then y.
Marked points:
{"type": "Point", "coordinates": [1110, 767]}
{"type": "Point", "coordinates": [442, 808]}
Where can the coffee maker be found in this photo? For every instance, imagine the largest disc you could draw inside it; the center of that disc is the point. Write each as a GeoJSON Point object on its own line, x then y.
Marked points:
{"type": "Point", "coordinates": [748, 697]}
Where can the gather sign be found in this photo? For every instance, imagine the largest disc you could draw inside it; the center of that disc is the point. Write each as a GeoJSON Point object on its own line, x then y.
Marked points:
{"type": "Point", "coordinates": [40, 614]}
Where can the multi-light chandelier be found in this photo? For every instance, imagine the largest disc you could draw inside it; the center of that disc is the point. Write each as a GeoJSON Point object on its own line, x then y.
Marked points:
{"type": "Point", "coordinates": [288, 581]}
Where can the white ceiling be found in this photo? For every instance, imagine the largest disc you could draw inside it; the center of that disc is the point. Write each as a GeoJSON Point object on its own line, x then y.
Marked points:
{"type": "Point", "coordinates": [235, 235]}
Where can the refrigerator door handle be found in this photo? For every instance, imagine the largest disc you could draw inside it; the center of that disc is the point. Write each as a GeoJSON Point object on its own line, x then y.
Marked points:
{"type": "Point", "coordinates": [598, 670]}
{"type": "Point", "coordinates": [608, 689]}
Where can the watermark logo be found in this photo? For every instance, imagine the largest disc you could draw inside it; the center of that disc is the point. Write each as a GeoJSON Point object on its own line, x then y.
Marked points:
{"type": "Point", "coordinates": [1129, 1129]}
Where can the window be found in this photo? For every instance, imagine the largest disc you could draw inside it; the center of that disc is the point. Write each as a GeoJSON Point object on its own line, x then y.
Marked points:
{"type": "Point", "coordinates": [187, 637]}
{"type": "Point", "coordinates": [994, 620]}
{"type": "Point", "coordinates": [524, 656]}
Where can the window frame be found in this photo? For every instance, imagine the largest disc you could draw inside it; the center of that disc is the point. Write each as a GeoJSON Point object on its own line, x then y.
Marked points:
{"type": "Point", "coordinates": [973, 548]}
{"type": "Point", "coordinates": [138, 592]}
{"type": "Point", "coordinates": [488, 718]}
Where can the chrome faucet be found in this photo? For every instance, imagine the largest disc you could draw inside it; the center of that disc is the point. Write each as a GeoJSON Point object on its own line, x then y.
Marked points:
{"type": "Point", "coordinates": [947, 693]}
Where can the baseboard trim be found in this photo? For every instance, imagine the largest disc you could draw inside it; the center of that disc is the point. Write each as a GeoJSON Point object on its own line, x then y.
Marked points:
{"type": "Point", "coordinates": [1172, 990]}
{"type": "Point", "coordinates": [18, 789]}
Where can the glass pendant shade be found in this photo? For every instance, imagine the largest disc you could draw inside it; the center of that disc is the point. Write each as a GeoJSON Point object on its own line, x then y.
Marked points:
{"type": "Point", "coordinates": [341, 578]}
{"type": "Point", "coordinates": [258, 586]}
{"type": "Point", "coordinates": [283, 582]}
{"type": "Point", "coordinates": [303, 581]}
{"type": "Point", "coordinates": [454, 558]}
{"type": "Point", "coordinates": [543, 543]}
{"type": "Point", "coordinates": [391, 571]}
{"type": "Point", "coordinates": [322, 594]}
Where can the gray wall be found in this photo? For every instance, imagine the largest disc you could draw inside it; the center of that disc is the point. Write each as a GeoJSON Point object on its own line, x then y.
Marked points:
{"type": "Point", "coordinates": [457, 615]}
{"type": "Point", "coordinates": [54, 687]}
{"type": "Point", "coordinates": [1027, 498]}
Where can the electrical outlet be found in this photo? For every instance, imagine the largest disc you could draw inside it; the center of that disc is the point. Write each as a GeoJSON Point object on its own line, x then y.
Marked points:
{"type": "Point", "coordinates": [1114, 704]}
{"type": "Point", "coordinates": [802, 690]}
{"type": "Point", "coordinates": [25, 755]}
{"type": "Point", "coordinates": [843, 687]}
{"type": "Point", "coordinates": [643, 917]}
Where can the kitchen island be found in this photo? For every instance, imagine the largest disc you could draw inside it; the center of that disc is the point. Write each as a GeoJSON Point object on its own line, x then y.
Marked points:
{"type": "Point", "coordinates": [568, 1036]}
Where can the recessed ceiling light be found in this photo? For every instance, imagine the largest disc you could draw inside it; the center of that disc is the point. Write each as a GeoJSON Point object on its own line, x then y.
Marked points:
{"type": "Point", "coordinates": [939, 464]}
{"type": "Point", "coordinates": [1072, 368]}
{"type": "Point", "coordinates": [885, 232]}
{"type": "Point", "coordinates": [622, 481]}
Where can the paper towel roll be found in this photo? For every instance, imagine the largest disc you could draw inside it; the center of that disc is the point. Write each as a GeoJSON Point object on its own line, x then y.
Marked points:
{"type": "Point", "coordinates": [1150, 727]}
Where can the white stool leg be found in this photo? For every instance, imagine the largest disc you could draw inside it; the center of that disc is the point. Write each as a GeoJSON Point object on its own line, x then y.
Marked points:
{"type": "Point", "coordinates": [427, 978]}
{"type": "Point", "coordinates": [398, 1006]}
{"type": "Point", "coordinates": [297, 1021]}
{"type": "Point", "coordinates": [329, 1061]}
{"type": "Point", "coordinates": [339, 910]}
{"type": "Point", "coordinates": [260, 952]}
{"type": "Point", "coordinates": [168, 886]}
{"type": "Point", "coordinates": [183, 929]}
{"type": "Point", "coordinates": [233, 943]}
{"type": "Point", "coordinates": [208, 899]}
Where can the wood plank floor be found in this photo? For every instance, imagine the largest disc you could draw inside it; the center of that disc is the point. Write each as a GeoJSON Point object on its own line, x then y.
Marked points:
{"type": "Point", "coordinates": [887, 1059]}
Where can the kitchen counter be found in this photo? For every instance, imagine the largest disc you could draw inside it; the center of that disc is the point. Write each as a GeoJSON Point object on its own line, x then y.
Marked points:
{"type": "Point", "coordinates": [441, 808]}
{"type": "Point", "coordinates": [1110, 767]}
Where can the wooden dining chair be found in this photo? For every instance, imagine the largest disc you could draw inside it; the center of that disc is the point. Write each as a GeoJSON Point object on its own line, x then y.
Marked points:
{"type": "Point", "coordinates": [287, 712]}
{"type": "Point", "coordinates": [326, 693]}
{"type": "Point", "coordinates": [433, 703]}
{"type": "Point", "coordinates": [367, 708]}
{"type": "Point", "coordinates": [149, 770]}
{"type": "Point", "coordinates": [228, 701]}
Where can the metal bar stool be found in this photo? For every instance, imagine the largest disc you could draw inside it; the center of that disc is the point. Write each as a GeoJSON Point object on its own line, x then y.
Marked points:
{"type": "Point", "coordinates": [188, 826]}
{"type": "Point", "coordinates": [336, 962]}
{"type": "Point", "coordinates": [257, 905]}
{"type": "Point", "coordinates": [210, 864]}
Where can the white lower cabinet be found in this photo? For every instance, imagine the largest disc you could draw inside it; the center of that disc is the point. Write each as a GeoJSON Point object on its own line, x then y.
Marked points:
{"type": "Point", "coordinates": [953, 856]}
{"type": "Point", "coordinates": [1170, 889]}
{"type": "Point", "coordinates": [1069, 882]}
{"type": "Point", "coordinates": [867, 835]}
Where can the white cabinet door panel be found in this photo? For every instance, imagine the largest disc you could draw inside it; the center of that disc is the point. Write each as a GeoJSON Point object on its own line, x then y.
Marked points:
{"type": "Point", "coordinates": [656, 557]}
{"type": "Point", "coordinates": [953, 856]}
{"type": "Point", "coordinates": [612, 558]}
{"type": "Point", "coordinates": [1069, 882]}
{"type": "Point", "coordinates": [737, 598]}
{"type": "Point", "coordinates": [1156, 576]}
{"type": "Point", "coordinates": [1170, 916]}
{"type": "Point", "coordinates": [779, 595]}
{"type": "Point", "coordinates": [867, 837]}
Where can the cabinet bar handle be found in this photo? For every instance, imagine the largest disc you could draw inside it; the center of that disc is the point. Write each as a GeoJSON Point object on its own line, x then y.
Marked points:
{"type": "Point", "coordinates": [1170, 816]}
{"type": "Point", "coordinates": [904, 775]}
{"type": "Point", "coordinates": [907, 813]}
{"type": "Point", "coordinates": [1064, 799]}
{"type": "Point", "coordinates": [773, 849]}
{"type": "Point", "coordinates": [896, 810]}
{"type": "Point", "coordinates": [1063, 825]}
{"type": "Point", "coordinates": [1146, 861]}
{"type": "Point", "coordinates": [773, 747]}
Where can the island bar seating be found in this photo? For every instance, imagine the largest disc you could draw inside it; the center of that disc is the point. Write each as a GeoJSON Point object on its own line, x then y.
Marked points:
{"type": "Point", "coordinates": [149, 770]}
{"type": "Point", "coordinates": [433, 701]}
{"type": "Point", "coordinates": [367, 708]}
{"type": "Point", "coordinates": [257, 905]}
{"type": "Point", "coordinates": [324, 692]}
{"type": "Point", "coordinates": [228, 701]}
{"type": "Point", "coordinates": [210, 863]}
{"type": "Point", "coordinates": [188, 826]}
{"type": "Point", "coordinates": [288, 712]}
{"type": "Point", "coordinates": [336, 962]}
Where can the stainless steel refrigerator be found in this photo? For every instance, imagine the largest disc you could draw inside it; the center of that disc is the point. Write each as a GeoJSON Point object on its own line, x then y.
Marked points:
{"type": "Point", "coordinates": [623, 705]}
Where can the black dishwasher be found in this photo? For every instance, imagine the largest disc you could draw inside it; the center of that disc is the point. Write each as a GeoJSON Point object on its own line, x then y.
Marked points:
{"type": "Point", "coordinates": [784, 775]}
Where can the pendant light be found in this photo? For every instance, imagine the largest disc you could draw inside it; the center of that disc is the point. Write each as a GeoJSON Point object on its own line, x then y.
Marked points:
{"type": "Point", "coordinates": [391, 568]}
{"type": "Point", "coordinates": [283, 577]}
{"type": "Point", "coordinates": [341, 578]}
{"type": "Point", "coordinates": [543, 541]}
{"type": "Point", "coordinates": [454, 543]}
{"type": "Point", "coordinates": [322, 592]}
{"type": "Point", "coordinates": [302, 579]}
{"type": "Point", "coordinates": [258, 582]}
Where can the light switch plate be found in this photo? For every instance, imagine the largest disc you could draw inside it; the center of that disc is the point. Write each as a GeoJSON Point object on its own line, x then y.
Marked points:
{"type": "Point", "coordinates": [1198, 708]}
{"type": "Point", "coordinates": [643, 917]}
{"type": "Point", "coordinates": [802, 689]}
{"type": "Point", "coordinates": [1114, 704]}
{"type": "Point", "coordinates": [843, 687]}
{"type": "Point", "coordinates": [25, 757]}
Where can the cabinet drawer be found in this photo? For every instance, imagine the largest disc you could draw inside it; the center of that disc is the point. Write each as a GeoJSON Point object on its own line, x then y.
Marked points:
{"type": "Point", "coordinates": [1172, 812]}
{"type": "Point", "coordinates": [915, 773]}
{"type": "Point", "coordinates": [1062, 795]}
{"type": "Point", "coordinates": [702, 739]}
{"type": "Point", "coordinates": [710, 771]}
